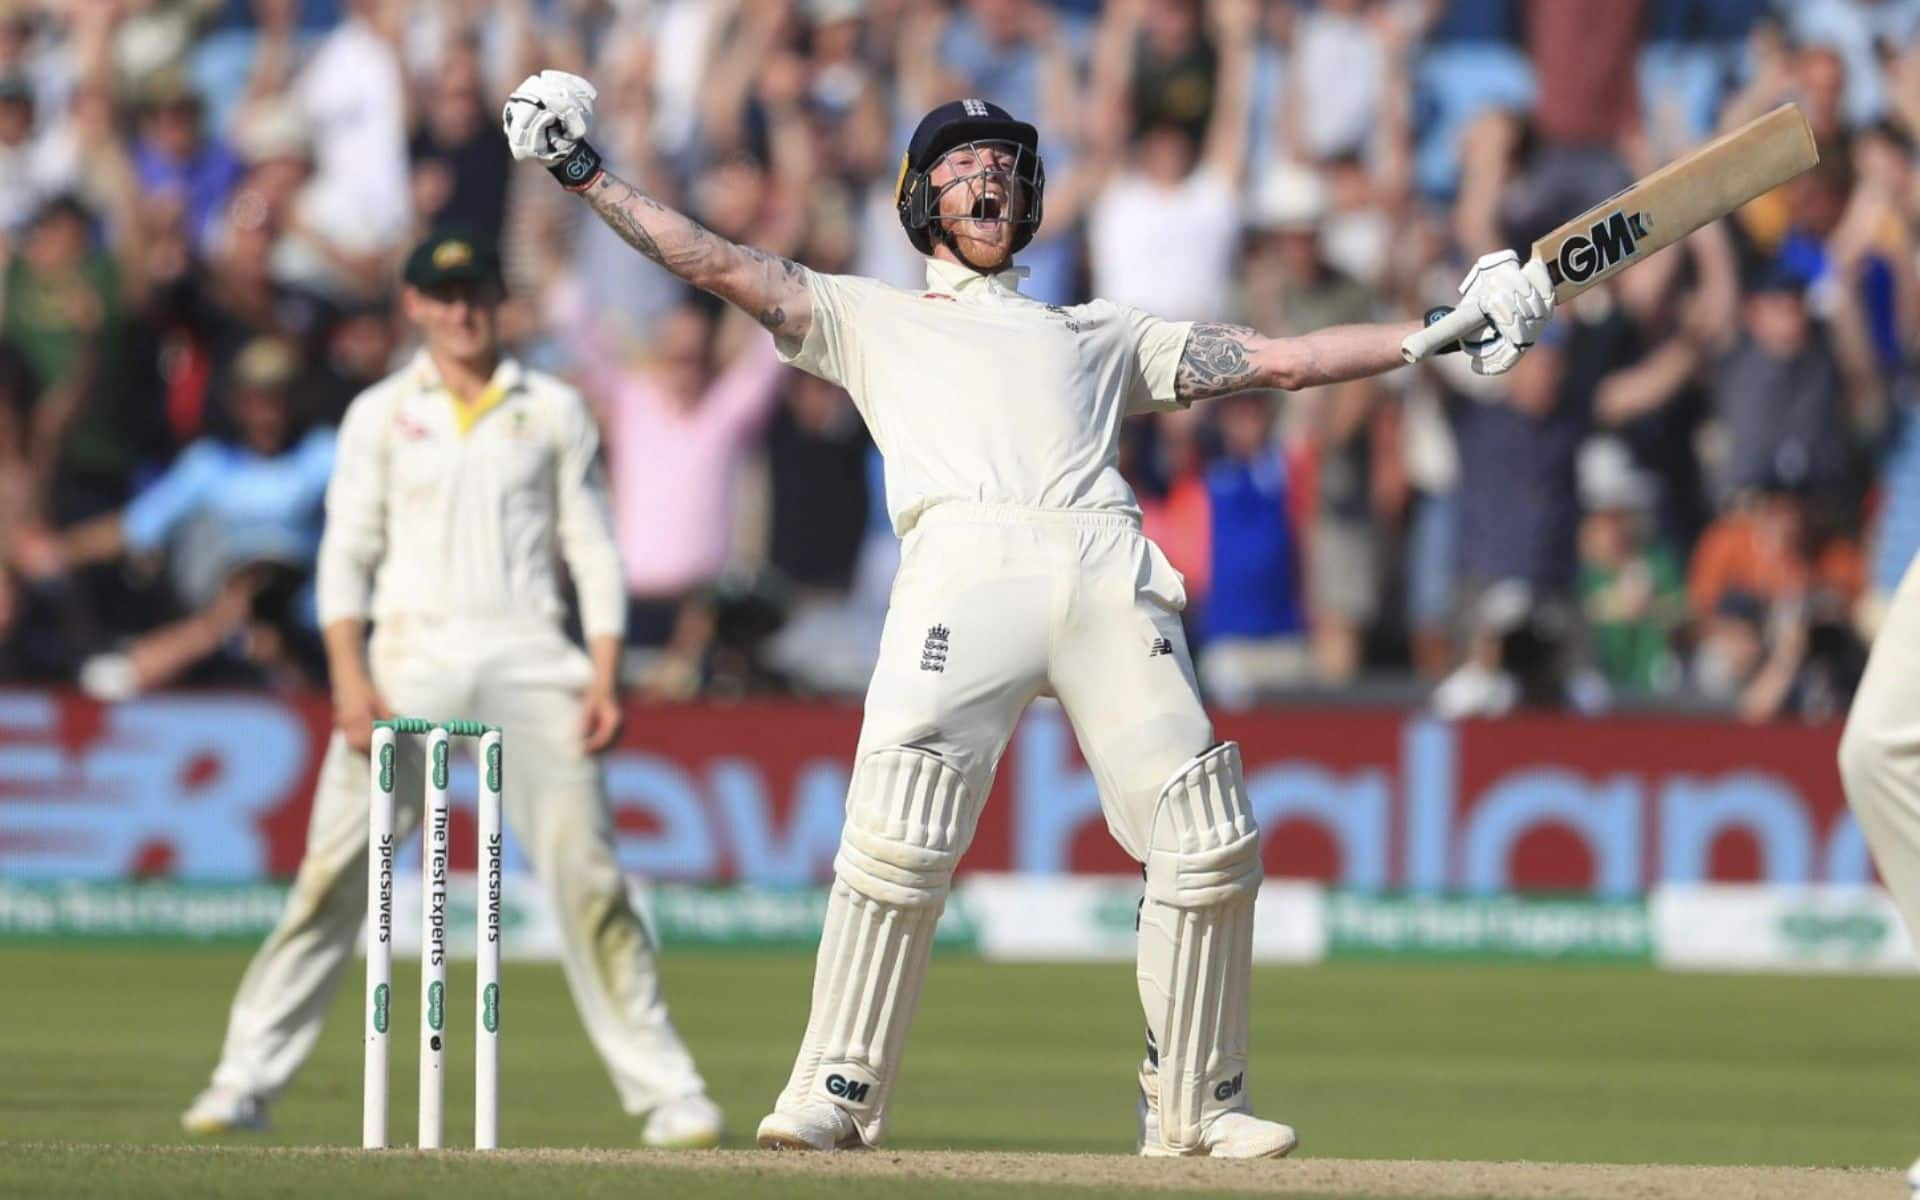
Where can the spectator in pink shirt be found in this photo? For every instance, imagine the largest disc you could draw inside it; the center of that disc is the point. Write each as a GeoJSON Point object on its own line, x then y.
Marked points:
{"type": "Point", "coordinates": [679, 424]}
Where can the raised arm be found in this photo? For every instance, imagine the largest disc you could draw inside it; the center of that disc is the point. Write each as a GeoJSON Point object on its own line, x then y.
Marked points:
{"type": "Point", "coordinates": [1235, 28]}
{"type": "Point", "coordinates": [767, 287]}
{"type": "Point", "coordinates": [1221, 359]}
{"type": "Point", "coordinates": [546, 119]}
{"type": "Point", "coordinates": [1218, 359]}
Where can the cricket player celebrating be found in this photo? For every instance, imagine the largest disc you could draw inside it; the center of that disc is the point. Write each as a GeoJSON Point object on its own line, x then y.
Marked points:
{"type": "Point", "coordinates": [1023, 573]}
{"type": "Point", "coordinates": [461, 481]}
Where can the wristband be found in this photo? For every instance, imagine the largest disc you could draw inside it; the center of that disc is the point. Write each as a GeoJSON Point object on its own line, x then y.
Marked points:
{"type": "Point", "coordinates": [580, 169]}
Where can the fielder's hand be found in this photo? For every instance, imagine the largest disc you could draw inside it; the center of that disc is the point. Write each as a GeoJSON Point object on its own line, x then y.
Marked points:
{"type": "Point", "coordinates": [600, 717]}
{"type": "Point", "coordinates": [547, 118]}
{"type": "Point", "coordinates": [1517, 301]}
{"type": "Point", "coordinates": [357, 704]}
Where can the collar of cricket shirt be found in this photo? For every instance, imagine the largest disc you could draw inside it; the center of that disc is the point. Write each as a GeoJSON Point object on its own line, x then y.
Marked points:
{"type": "Point", "coordinates": [953, 279]}
{"type": "Point", "coordinates": [467, 413]}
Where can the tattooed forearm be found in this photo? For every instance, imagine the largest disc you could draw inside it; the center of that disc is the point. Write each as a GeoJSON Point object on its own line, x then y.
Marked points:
{"type": "Point", "coordinates": [1217, 360]}
{"type": "Point", "coordinates": [680, 244]}
{"type": "Point", "coordinates": [770, 288]}
{"type": "Point", "coordinates": [634, 233]}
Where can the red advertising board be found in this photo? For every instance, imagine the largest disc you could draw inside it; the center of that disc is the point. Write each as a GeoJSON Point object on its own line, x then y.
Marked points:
{"type": "Point", "coordinates": [217, 787]}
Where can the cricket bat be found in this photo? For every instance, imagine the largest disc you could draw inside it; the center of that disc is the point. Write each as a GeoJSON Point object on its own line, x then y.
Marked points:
{"type": "Point", "coordinates": [1655, 212]}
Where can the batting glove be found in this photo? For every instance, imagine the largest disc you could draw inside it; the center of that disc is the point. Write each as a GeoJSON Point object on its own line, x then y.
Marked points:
{"type": "Point", "coordinates": [1518, 302]}
{"type": "Point", "coordinates": [546, 119]}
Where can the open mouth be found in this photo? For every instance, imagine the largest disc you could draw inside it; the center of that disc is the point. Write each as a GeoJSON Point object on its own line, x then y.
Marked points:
{"type": "Point", "coordinates": [988, 207]}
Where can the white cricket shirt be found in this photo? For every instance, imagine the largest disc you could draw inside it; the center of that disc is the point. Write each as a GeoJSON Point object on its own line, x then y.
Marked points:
{"type": "Point", "coordinates": [438, 512]}
{"type": "Point", "coordinates": [975, 392]}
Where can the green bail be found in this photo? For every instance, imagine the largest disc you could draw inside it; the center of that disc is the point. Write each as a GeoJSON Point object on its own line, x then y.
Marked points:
{"type": "Point", "coordinates": [406, 725]}
{"type": "Point", "coordinates": [460, 728]}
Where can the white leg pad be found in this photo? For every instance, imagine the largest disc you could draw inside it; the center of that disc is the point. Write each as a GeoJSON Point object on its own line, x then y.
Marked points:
{"type": "Point", "coordinates": [1196, 943]}
{"type": "Point", "coordinates": [909, 818]}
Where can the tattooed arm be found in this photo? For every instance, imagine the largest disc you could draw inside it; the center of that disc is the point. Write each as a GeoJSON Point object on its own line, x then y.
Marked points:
{"type": "Point", "coordinates": [547, 118]}
{"type": "Point", "coordinates": [771, 289]}
{"type": "Point", "coordinates": [1220, 359]}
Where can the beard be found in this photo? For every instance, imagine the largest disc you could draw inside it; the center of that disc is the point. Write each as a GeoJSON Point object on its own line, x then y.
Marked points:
{"type": "Point", "coordinates": [982, 233]}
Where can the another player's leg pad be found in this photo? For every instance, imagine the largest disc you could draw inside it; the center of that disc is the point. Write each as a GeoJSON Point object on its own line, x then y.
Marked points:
{"type": "Point", "coordinates": [909, 818]}
{"type": "Point", "coordinates": [1196, 942]}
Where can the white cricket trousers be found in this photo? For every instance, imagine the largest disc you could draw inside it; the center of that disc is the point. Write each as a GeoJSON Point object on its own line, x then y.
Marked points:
{"type": "Point", "coordinates": [995, 605]}
{"type": "Point", "coordinates": [1880, 750]}
{"type": "Point", "coordinates": [527, 678]}
{"type": "Point", "coordinates": [992, 606]}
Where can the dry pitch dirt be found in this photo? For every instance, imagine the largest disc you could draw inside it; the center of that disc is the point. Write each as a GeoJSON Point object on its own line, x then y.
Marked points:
{"type": "Point", "coordinates": [1334, 1177]}
{"type": "Point", "coordinates": [1426, 1180]}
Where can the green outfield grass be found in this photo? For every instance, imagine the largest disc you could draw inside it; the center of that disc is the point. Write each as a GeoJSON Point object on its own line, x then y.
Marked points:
{"type": "Point", "coordinates": [1596, 1064]}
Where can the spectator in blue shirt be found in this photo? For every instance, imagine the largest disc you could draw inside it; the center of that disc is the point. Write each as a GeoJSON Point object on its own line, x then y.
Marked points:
{"type": "Point", "coordinates": [1254, 635]}
{"type": "Point", "coordinates": [242, 520]}
{"type": "Point", "coordinates": [1468, 64]}
{"type": "Point", "coordinates": [177, 162]}
{"type": "Point", "coordinates": [1694, 52]}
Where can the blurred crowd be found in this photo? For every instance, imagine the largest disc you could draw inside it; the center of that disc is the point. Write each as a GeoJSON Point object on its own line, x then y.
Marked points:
{"type": "Point", "coordinates": [1698, 491]}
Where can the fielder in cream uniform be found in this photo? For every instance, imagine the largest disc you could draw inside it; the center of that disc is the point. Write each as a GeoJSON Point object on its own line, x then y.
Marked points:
{"type": "Point", "coordinates": [462, 481]}
{"type": "Point", "coordinates": [1023, 573]}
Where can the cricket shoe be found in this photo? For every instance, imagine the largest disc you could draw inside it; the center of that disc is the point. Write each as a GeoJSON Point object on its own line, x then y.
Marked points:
{"type": "Point", "coordinates": [816, 1126]}
{"type": "Point", "coordinates": [224, 1110]}
{"type": "Point", "coordinates": [689, 1123]}
{"type": "Point", "coordinates": [1913, 1179]}
{"type": "Point", "coordinates": [1228, 1135]}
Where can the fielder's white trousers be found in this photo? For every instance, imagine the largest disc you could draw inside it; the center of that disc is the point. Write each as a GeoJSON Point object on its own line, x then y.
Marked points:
{"type": "Point", "coordinates": [528, 679]}
{"type": "Point", "coordinates": [1880, 751]}
{"type": "Point", "coordinates": [995, 605]}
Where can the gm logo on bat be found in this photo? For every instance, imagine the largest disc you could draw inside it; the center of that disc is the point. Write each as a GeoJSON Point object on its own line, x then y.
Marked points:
{"type": "Point", "coordinates": [1611, 241]}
